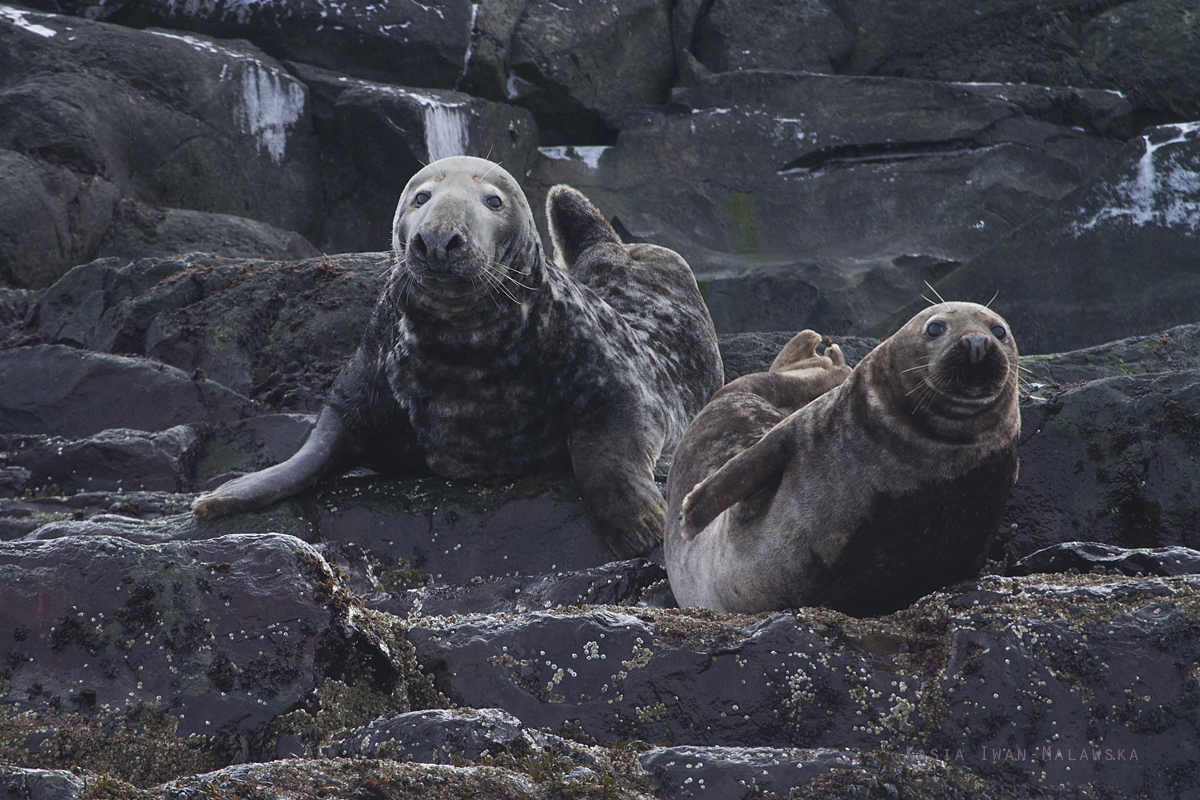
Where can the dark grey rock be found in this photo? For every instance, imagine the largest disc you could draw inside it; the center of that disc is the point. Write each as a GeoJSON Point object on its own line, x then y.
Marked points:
{"type": "Point", "coordinates": [458, 531]}
{"type": "Point", "coordinates": [1145, 48]}
{"type": "Point", "coordinates": [143, 231]}
{"type": "Point", "coordinates": [99, 624]}
{"type": "Point", "coordinates": [1116, 257]}
{"type": "Point", "coordinates": [21, 516]}
{"type": "Point", "coordinates": [834, 195]}
{"type": "Point", "coordinates": [376, 136]}
{"type": "Point", "coordinates": [1111, 461]}
{"type": "Point", "coordinates": [51, 218]}
{"type": "Point", "coordinates": [39, 784]}
{"type": "Point", "coordinates": [999, 664]}
{"type": "Point", "coordinates": [740, 772]}
{"type": "Point", "coordinates": [107, 461]}
{"type": "Point", "coordinates": [636, 582]}
{"type": "Point", "coordinates": [578, 67]}
{"type": "Point", "coordinates": [169, 119]}
{"type": "Point", "coordinates": [441, 736]}
{"type": "Point", "coordinates": [1095, 557]}
{"type": "Point", "coordinates": [399, 42]}
{"type": "Point", "coordinates": [59, 391]}
{"type": "Point", "coordinates": [275, 331]}
{"type": "Point", "coordinates": [803, 35]}
{"type": "Point", "coordinates": [1170, 351]}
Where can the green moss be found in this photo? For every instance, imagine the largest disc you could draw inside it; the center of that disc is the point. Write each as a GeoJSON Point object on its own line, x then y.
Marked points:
{"type": "Point", "coordinates": [740, 210]}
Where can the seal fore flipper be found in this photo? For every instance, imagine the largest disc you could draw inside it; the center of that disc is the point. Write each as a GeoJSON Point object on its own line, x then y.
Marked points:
{"type": "Point", "coordinates": [575, 224]}
{"type": "Point", "coordinates": [326, 448]}
{"type": "Point", "coordinates": [743, 475]}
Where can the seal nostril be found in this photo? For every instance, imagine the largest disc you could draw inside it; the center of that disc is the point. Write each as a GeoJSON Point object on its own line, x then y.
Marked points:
{"type": "Point", "coordinates": [976, 344]}
{"type": "Point", "coordinates": [417, 245]}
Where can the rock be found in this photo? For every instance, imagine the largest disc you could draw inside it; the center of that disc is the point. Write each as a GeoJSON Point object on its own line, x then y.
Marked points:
{"type": "Point", "coordinates": [1143, 49]}
{"type": "Point", "coordinates": [746, 772]}
{"type": "Point", "coordinates": [376, 136]}
{"type": "Point", "coordinates": [636, 582]}
{"type": "Point", "coordinates": [168, 119]}
{"type": "Point", "coordinates": [107, 461]}
{"type": "Point", "coordinates": [51, 218]}
{"type": "Point", "coordinates": [101, 625]}
{"type": "Point", "coordinates": [441, 736]}
{"type": "Point", "coordinates": [1171, 351]}
{"type": "Point", "coordinates": [279, 331]}
{"type": "Point", "coordinates": [59, 391]}
{"type": "Point", "coordinates": [1114, 258]}
{"type": "Point", "coordinates": [398, 42]}
{"type": "Point", "coordinates": [577, 70]}
{"type": "Point", "coordinates": [39, 784]}
{"type": "Point", "coordinates": [248, 445]}
{"type": "Point", "coordinates": [805, 35]}
{"type": "Point", "coordinates": [994, 668]}
{"type": "Point", "coordinates": [776, 232]}
{"type": "Point", "coordinates": [1111, 461]}
{"type": "Point", "coordinates": [459, 531]}
{"type": "Point", "coordinates": [1094, 557]}
{"type": "Point", "coordinates": [20, 516]}
{"type": "Point", "coordinates": [144, 231]}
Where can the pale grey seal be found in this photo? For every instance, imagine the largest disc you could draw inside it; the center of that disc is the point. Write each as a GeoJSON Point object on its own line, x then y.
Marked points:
{"type": "Point", "coordinates": [483, 358]}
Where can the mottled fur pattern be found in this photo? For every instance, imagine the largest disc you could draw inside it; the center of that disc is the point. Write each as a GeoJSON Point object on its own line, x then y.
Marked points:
{"type": "Point", "coordinates": [483, 358]}
{"type": "Point", "coordinates": [887, 486]}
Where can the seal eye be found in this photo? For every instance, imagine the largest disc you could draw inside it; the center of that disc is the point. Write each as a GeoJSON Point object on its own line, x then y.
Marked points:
{"type": "Point", "coordinates": [999, 332]}
{"type": "Point", "coordinates": [493, 202]}
{"type": "Point", "coordinates": [935, 329]}
{"type": "Point", "coordinates": [421, 199]}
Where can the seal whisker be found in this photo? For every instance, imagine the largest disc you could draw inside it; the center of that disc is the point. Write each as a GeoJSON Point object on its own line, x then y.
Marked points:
{"type": "Point", "coordinates": [935, 292]}
{"type": "Point", "coordinates": [927, 300]}
{"type": "Point", "coordinates": [497, 281]}
{"type": "Point", "coordinates": [988, 304]}
{"type": "Point", "coordinates": [508, 273]}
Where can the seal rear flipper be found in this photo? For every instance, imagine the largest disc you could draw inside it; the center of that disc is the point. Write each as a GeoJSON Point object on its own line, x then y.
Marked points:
{"type": "Point", "coordinates": [326, 449]}
{"type": "Point", "coordinates": [614, 471]}
{"type": "Point", "coordinates": [752, 470]}
{"type": "Point", "coordinates": [575, 224]}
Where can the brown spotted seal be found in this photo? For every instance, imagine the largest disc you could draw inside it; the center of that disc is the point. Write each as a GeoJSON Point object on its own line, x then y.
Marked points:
{"type": "Point", "coordinates": [888, 483]}
{"type": "Point", "coordinates": [483, 358]}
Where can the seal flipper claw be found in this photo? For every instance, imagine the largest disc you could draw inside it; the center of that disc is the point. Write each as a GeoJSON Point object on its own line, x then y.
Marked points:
{"type": "Point", "coordinates": [326, 449]}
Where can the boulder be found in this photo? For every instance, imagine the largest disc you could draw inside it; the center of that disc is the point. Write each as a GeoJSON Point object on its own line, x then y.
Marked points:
{"type": "Point", "coordinates": [60, 391]}
{"type": "Point", "coordinates": [100, 626]}
{"type": "Point", "coordinates": [804, 35]}
{"type": "Point", "coordinates": [1144, 48]}
{"type": "Point", "coordinates": [1109, 461]}
{"type": "Point", "coordinates": [398, 42]}
{"type": "Point", "coordinates": [110, 460]}
{"type": "Point", "coordinates": [140, 230]}
{"type": "Point", "coordinates": [1170, 351]}
{"type": "Point", "coordinates": [1095, 557]}
{"type": "Point", "coordinates": [279, 331]}
{"type": "Point", "coordinates": [1030, 678]}
{"type": "Point", "coordinates": [1116, 257]}
{"type": "Point", "coordinates": [577, 68]}
{"type": "Point", "coordinates": [775, 228]}
{"type": "Point", "coordinates": [168, 119]}
{"type": "Point", "coordinates": [39, 784]}
{"type": "Point", "coordinates": [375, 136]}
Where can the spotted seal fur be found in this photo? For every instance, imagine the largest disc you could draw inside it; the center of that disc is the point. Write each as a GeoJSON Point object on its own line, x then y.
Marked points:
{"type": "Point", "coordinates": [483, 358]}
{"type": "Point", "coordinates": [887, 483]}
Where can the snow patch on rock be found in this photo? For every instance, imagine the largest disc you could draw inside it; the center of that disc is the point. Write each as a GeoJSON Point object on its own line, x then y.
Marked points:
{"type": "Point", "coordinates": [20, 18]}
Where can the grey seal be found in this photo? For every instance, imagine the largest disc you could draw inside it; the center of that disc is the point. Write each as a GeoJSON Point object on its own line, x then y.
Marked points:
{"type": "Point", "coordinates": [483, 358]}
{"type": "Point", "coordinates": [862, 491]}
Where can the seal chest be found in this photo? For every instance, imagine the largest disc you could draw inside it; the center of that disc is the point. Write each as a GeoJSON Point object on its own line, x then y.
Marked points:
{"type": "Point", "coordinates": [483, 358]}
{"type": "Point", "coordinates": [813, 485]}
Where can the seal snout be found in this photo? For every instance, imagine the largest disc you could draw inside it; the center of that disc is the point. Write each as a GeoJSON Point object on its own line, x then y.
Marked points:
{"type": "Point", "coordinates": [976, 345]}
{"type": "Point", "coordinates": [437, 247]}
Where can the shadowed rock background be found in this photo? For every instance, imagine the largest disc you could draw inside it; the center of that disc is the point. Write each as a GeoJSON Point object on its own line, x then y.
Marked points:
{"type": "Point", "coordinates": [194, 198]}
